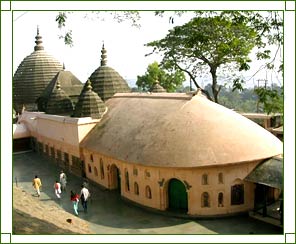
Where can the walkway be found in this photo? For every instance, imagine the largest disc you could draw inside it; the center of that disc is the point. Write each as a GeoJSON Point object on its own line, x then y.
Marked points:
{"type": "Point", "coordinates": [109, 214]}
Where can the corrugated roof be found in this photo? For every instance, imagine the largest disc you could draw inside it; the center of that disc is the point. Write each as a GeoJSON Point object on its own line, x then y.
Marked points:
{"type": "Point", "coordinates": [70, 84]}
{"type": "Point", "coordinates": [269, 173]}
{"type": "Point", "coordinates": [89, 104]}
{"type": "Point", "coordinates": [175, 130]}
{"type": "Point", "coordinates": [106, 81]}
{"type": "Point", "coordinates": [32, 76]}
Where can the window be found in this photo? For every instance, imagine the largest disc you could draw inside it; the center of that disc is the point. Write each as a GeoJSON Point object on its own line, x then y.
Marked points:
{"type": "Point", "coordinates": [127, 187]}
{"type": "Point", "coordinates": [204, 180]}
{"type": "Point", "coordinates": [220, 199]}
{"type": "Point", "coordinates": [135, 171]}
{"type": "Point", "coordinates": [89, 168]}
{"type": "Point", "coordinates": [91, 158]}
{"type": "Point", "coordinates": [96, 171]}
{"type": "Point", "coordinates": [46, 149]}
{"type": "Point", "coordinates": [205, 200]}
{"type": "Point", "coordinates": [220, 178]}
{"type": "Point", "coordinates": [147, 174]}
{"type": "Point", "coordinates": [66, 157]}
{"type": "Point", "coordinates": [52, 152]}
{"type": "Point", "coordinates": [237, 194]}
{"type": "Point", "coordinates": [102, 169]}
{"type": "Point", "coordinates": [136, 188]}
{"type": "Point", "coordinates": [148, 192]}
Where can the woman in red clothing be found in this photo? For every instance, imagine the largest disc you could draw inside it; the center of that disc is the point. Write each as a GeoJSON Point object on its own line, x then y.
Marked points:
{"type": "Point", "coordinates": [75, 200]}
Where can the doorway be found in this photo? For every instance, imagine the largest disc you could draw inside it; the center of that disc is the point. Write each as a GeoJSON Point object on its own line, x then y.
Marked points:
{"type": "Point", "coordinates": [115, 182]}
{"type": "Point", "coordinates": [177, 195]}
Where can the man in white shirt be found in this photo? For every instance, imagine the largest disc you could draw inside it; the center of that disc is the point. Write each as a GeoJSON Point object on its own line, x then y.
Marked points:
{"type": "Point", "coordinates": [84, 195]}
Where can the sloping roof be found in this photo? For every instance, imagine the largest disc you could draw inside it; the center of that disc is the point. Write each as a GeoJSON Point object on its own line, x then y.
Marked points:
{"type": "Point", "coordinates": [157, 87]}
{"type": "Point", "coordinates": [269, 173]}
{"type": "Point", "coordinates": [32, 76]}
{"type": "Point", "coordinates": [89, 104]}
{"type": "Point", "coordinates": [106, 81]}
{"type": "Point", "coordinates": [59, 102]}
{"type": "Point", "coordinates": [175, 130]}
{"type": "Point", "coordinates": [70, 84]}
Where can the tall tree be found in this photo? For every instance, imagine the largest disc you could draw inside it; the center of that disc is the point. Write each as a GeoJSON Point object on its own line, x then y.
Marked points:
{"type": "Point", "coordinates": [170, 80]}
{"type": "Point", "coordinates": [207, 41]}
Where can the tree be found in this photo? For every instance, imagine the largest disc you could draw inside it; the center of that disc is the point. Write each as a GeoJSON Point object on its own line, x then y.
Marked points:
{"type": "Point", "coordinates": [170, 80]}
{"type": "Point", "coordinates": [207, 41]}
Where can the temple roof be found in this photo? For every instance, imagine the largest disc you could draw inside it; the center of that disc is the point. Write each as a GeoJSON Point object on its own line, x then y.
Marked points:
{"type": "Point", "coordinates": [157, 87]}
{"type": "Point", "coordinates": [178, 130]}
{"type": "Point", "coordinates": [32, 76]}
{"type": "Point", "coordinates": [106, 81]}
{"type": "Point", "coordinates": [89, 104]}
{"type": "Point", "coordinates": [70, 84]}
{"type": "Point", "coordinates": [59, 103]}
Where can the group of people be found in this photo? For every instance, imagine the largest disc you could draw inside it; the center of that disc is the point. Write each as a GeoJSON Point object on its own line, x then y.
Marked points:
{"type": "Point", "coordinates": [60, 186]}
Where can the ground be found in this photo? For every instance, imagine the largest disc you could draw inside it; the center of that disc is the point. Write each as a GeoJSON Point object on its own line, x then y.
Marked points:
{"type": "Point", "coordinates": [31, 216]}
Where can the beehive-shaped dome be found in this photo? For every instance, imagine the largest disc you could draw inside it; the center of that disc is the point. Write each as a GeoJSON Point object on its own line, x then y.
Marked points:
{"type": "Point", "coordinates": [157, 87]}
{"type": "Point", "coordinates": [32, 76]}
{"type": "Point", "coordinates": [59, 103]}
{"type": "Point", "coordinates": [70, 84]}
{"type": "Point", "coordinates": [89, 104]}
{"type": "Point", "coordinates": [106, 81]}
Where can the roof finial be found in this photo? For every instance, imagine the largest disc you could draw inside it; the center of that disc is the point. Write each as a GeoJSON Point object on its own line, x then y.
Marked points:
{"type": "Point", "coordinates": [38, 41]}
{"type": "Point", "coordinates": [103, 56]}
{"type": "Point", "coordinates": [88, 85]}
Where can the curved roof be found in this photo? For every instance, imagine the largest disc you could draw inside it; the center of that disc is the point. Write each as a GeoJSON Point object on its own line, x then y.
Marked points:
{"type": "Point", "coordinates": [70, 83]}
{"type": "Point", "coordinates": [59, 102]}
{"type": "Point", "coordinates": [32, 76]}
{"type": "Point", "coordinates": [89, 104]}
{"type": "Point", "coordinates": [106, 81]}
{"type": "Point", "coordinates": [177, 130]}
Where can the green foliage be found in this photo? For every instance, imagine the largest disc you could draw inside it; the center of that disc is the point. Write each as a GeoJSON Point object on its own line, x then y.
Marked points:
{"type": "Point", "coordinates": [207, 41]}
{"type": "Point", "coordinates": [169, 79]}
{"type": "Point", "coordinates": [271, 99]}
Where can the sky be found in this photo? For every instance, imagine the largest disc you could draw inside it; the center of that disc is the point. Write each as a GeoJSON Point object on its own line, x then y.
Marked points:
{"type": "Point", "coordinates": [125, 44]}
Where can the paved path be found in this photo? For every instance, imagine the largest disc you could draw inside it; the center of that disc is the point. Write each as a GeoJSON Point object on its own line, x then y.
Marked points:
{"type": "Point", "coordinates": [109, 214]}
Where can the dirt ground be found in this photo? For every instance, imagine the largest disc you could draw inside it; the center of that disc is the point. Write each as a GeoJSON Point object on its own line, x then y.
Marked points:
{"type": "Point", "coordinates": [31, 215]}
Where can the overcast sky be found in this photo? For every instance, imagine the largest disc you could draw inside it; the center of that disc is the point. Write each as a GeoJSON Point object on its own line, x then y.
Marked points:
{"type": "Point", "coordinates": [123, 42]}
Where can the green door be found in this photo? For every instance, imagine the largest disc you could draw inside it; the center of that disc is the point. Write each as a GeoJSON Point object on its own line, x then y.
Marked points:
{"type": "Point", "coordinates": [177, 196]}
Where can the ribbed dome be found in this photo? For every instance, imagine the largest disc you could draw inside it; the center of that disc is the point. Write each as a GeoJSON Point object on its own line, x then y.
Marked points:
{"type": "Point", "coordinates": [106, 81]}
{"type": "Point", "coordinates": [59, 103]}
{"type": "Point", "coordinates": [89, 104]}
{"type": "Point", "coordinates": [32, 76]}
{"type": "Point", "coordinates": [157, 87]}
{"type": "Point", "coordinates": [70, 83]}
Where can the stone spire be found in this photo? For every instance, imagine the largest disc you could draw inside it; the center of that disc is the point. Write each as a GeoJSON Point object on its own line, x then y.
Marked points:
{"type": "Point", "coordinates": [157, 87]}
{"type": "Point", "coordinates": [38, 41]}
{"type": "Point", "coordinates": [89, 104]}
{"type": "Point", "coordinates": [103, 56]}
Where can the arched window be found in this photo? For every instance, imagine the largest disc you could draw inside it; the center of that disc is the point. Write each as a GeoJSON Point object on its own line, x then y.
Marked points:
{"type": "Point", "coordinates": [220, 199]}
{"type": "Point", "coordinates": [220, 178]}
{"type": "Point", "coordinates": [91, 158]}
{"type": "Point", "coordinates": [89, 169]}
{"type": "Point", "coordinates": [205, 200]}
{"type": "Point", "coordinates": [127, 187]}
{"type": "Point", "coordinates": [237, 194]}
{"type": "Point", "coordinates": [96, 171]}
{"type": "Point", "coordinates": [102, 169]}
{"type": "Point", "coordinates": [136, 188]}
{"type": "Point", "coordinates": [204, 180]}
{"type": "Point", "coordinates": [148, 192]}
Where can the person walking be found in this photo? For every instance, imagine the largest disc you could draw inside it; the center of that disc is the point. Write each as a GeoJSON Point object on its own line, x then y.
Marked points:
{"type": "Point", "coordinates": [75, 200]}
{"type": "Point", "coordinates": [63, 181]}
{"type": "Point", "coordinates": [37, 184]}
{"type": "Point", "coordinates": [57, 189]}
{"type": "Point", "coordinates": [84, 195]}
